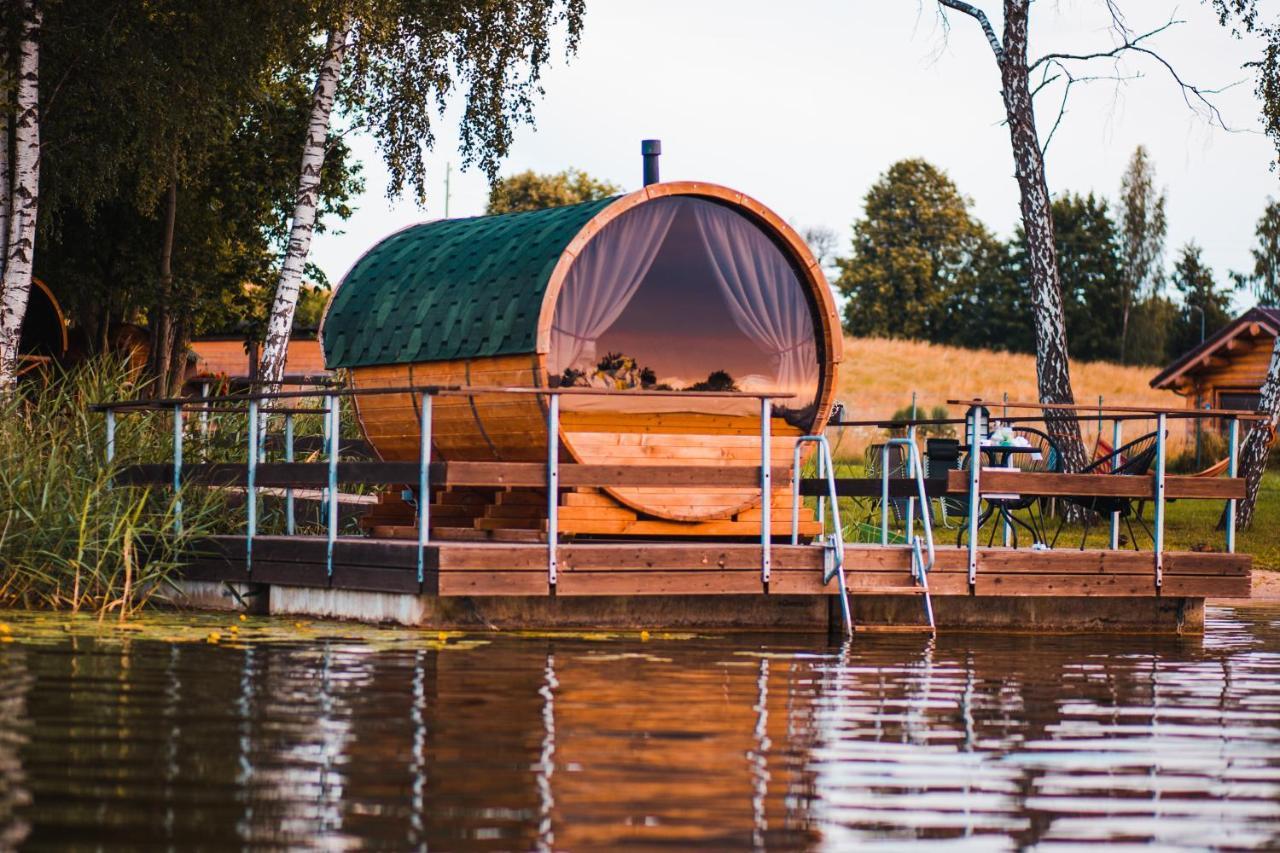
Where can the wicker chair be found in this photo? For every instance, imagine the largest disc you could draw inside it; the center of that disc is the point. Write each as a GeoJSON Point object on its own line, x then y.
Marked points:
{"type": "Point", "coordinates": [1133, 460]}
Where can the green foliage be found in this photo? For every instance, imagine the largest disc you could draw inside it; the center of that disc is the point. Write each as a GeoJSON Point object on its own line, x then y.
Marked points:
{"type": "Point", "coordinates": [922, 267]}
{"type": "Point", "coordinates": [69, 540]}
{"type": "Point", "coordinates": [102, 258]}
{"type": "Point", "coordinates": [1201, 300]}
{"type": "Point", "coordinates": [1143, 226]}
{"type": "Point", "coordinates": [913, 256]}
{"type": "Point", "coordinates": [1150, 323]}
{"type": "Point", "coordinates": [1089, 263]}
{"type": "Point", "coordinates": [1264, 281]}
{"type": "Point", "coordinates": [530, 190]}
{"type": "Point", "coordinates": [1245, 16]}
{"type": "Point", "coordinates": [408, 57]}
{"type": "Point", "coordinates": [920, 412]}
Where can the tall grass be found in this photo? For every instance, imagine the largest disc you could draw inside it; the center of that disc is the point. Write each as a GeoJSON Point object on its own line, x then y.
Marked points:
{"type": "Point", "coordinates": [878, 375]}
{"type": "Point", "coordinates": [68, 539]}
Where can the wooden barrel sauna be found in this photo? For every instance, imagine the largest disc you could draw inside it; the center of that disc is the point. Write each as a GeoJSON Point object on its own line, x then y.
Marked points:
{"type": "Point", "coordinates": [682, 285]}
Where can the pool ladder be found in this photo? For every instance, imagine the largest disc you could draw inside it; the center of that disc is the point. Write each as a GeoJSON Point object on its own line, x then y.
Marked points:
{"type": "Point", "coordinates": [833, 543]}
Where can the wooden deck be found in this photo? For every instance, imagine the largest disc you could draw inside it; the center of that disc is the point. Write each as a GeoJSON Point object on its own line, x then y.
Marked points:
{"type": "Point", "coordinates": [453, 569]}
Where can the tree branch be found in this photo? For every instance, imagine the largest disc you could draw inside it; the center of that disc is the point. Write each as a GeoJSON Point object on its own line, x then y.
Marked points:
{"type": "Point", "coordinates": [1126, 44]}
{"type": "Point", "coordinates": [981, 17]}
{"type": "Point", "coordinates": [1071, 79]}
{"type": "Point", "coordinates": [1196, 97]}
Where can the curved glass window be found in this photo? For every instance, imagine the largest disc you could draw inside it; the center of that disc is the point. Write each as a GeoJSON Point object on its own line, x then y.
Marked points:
{"type": "Point", "coordinates": [687, 294]}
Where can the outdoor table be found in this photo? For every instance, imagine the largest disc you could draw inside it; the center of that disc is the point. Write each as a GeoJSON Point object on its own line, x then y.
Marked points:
{"type": "Point", "coordinates": [999, 456]}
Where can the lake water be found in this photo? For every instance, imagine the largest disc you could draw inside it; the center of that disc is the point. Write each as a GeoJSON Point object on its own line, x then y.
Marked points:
{"type": "Point", "coordinates": [324, 736]}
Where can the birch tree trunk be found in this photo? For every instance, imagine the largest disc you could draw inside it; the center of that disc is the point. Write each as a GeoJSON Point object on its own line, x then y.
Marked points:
{"type": "Point", "coordinates": [6, 187]}
{"type": "Point", "coordinates": [1257, 443]}
{"type": "Point", "coordinates": [1053, 369]}
{"type": "Point", "coordinates": [280, 323]}
{"type": "Point", "coordinates": [15, 286]}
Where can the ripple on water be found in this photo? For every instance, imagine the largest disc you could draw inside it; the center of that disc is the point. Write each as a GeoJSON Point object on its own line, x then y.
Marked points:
{"type": "Point", "coordinates": [330, 736]}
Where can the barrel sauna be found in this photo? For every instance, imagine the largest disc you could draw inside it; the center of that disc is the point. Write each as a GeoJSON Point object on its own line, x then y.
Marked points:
{"type": "Point", "coordinates": [681, 285]}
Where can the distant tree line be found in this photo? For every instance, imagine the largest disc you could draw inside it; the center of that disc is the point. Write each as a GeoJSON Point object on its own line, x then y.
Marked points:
{"type": "Point", "coordinates": [922, 266]}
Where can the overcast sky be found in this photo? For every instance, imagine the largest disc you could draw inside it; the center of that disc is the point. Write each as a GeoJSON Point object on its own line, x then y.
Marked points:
{"type": "Point", "coordinates": [803, 104]}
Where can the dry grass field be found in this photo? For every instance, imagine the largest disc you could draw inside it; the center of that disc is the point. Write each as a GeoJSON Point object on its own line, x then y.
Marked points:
{"type": "Point", "coordinates": [879, 374]}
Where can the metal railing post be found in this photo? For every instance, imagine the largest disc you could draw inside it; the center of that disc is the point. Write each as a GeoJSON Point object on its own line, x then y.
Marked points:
{"type": "Point", "coordinates": [1233, 470]}
{"type": "Point", "coordinates": [911, 461]}
{"type": "Point", "coordinates": [111, 436]}
{"type": "Point", "coordinates": [884, 492]}
{"type": "Point", "coordinates": [1116, 427]}
{"type": "Point", "coordinates": [766, 489]}
{"type": "Point", "coordinates": [250, 493]}
{"type": "Point", "coordinates": [553, 487]}
{"type": "Point", "coordinates": [1158, 536]}
{"type": "Point", "coordinates": [335, 430]}
{"type": "Point", "coordinates": [975, 490]}
{"type": "Point", "coordinates": [204, 413]}
{"type": "Point", "coordinates": [424, 484]}
{"type": "Point", "coordinates": [177, 468]}
{"type": "Point", "coordinates": [795, 492]}
{"type": "Point", "coordinates": [290, 519]}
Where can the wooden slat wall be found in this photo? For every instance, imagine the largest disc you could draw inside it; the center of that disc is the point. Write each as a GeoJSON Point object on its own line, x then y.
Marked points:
{"type": "Point", "coordinates": [713, 568]}
{"type": "Point", "coordinates": [514, 429]}
{"type": "Point", "coordinates": [636, 440]}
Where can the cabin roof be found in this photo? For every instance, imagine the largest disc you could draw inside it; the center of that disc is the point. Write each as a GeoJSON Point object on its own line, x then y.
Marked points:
{"type": "Point", "coordinates": [1267, 319]}
{"type": "Point", "coordinates": [451, 289]}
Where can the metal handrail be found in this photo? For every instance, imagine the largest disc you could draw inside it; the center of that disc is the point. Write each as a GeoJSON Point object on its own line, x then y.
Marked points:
{"type": "Point", "coordinates": [835, 544]}
{"type": "Point", "coordinates": [434, 390]}
{"type": "Point", "coordinates": [920, 568]}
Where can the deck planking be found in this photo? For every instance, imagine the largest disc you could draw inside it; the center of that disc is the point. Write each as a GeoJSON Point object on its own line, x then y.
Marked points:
{"type": "Point", "coordinates": [719, 568]}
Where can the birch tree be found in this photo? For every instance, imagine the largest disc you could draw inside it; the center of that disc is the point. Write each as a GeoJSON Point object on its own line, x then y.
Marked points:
{"type": "Point", "coordinates": [1053, 369]}
{"type": "Point", "coordinates": [280, 321]}
{"type": "Point", "coordinates": [390, 67]}
{"type": "Point", "coordinates": [1246, 16]}
{"type": "Point", "coordinates": [1061, 68]}
{"type": "Point", "coordinates": [24, 193]}
{"type": "Point", "coordinates": [1143, 226]}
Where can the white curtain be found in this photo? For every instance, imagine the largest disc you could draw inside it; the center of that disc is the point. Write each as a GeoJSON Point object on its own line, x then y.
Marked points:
{"type": "Point", "coordinates": [602, 281]}
{"type": "Point", "coordinates": [764, 296]}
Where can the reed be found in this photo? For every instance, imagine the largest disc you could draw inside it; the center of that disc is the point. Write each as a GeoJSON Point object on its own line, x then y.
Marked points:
{"type": "Point", "coordinates": [68, 539]}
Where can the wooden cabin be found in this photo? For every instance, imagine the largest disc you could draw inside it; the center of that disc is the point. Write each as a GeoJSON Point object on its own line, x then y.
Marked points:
{"type": "Point", "coordinates": [220, 359]}
{"type": "Point", "coordinates": [683, 286]}
{"type": "Point", "coordinates": [1227, 370]}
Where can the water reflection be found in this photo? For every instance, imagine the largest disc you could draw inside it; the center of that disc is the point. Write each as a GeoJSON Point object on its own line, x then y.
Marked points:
{"type": "Point", "coordinates": [777, 742]}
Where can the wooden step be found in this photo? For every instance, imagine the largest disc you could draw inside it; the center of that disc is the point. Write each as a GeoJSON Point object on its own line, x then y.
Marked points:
{"type": "Point", "coordinates": [515, 511]}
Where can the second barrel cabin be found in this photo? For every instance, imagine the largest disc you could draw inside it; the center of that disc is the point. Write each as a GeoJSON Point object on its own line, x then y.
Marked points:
{"type": "Point", "coordinates": [681, 286]}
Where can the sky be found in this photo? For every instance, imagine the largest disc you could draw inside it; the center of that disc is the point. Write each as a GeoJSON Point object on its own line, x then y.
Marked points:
{"type": "Point", "coordinates": [803, 104]}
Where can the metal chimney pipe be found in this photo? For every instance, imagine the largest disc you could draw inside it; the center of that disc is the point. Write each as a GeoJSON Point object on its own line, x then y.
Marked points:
{"type": "Point", "coordinates": [651, 150]}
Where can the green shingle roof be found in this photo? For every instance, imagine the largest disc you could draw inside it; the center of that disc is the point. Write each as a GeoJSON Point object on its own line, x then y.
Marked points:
{"type": "Point", "coordinates": [451, 289]}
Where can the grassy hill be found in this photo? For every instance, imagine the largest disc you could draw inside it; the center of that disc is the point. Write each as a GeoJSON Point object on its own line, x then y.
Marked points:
{"type": "Point", "coordinates": [879, 374]}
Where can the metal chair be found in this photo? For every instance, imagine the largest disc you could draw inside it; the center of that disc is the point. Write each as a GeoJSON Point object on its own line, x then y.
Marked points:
{"type": "Point", "coordinates": [943, 455]}
{"type": "Point", "coordinates": [897, 468]}
{"type": "Point", "coordinates": [1133, 460]}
